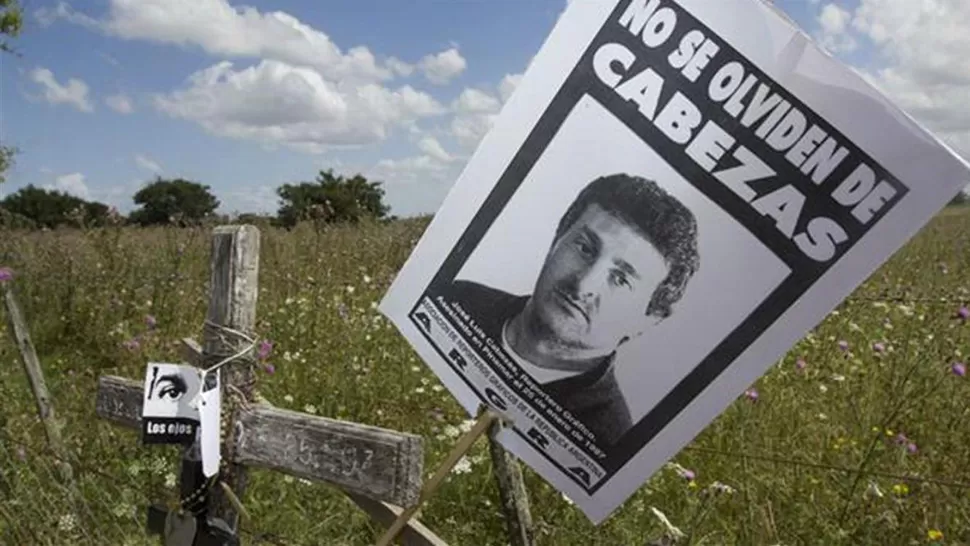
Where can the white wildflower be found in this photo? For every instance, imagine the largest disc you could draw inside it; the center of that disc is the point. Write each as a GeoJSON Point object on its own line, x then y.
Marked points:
{"type": "Point", "coordinates": [463, 466]}
{"type": "Point", "coordinates": [671, 529]}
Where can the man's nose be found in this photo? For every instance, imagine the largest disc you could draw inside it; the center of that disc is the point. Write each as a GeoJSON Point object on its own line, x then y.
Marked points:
{"type": "Point", "coordinates": [592, 281]}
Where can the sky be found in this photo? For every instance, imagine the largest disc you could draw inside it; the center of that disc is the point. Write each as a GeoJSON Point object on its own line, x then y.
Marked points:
{"type": "Point", "coordinates": [244, 97]}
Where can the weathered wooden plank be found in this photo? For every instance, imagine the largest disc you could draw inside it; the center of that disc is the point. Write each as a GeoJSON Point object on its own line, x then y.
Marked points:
{"type": "Point", "coordinates": [372, 461]}
{"type": "Point", "coordinates": [119, 400]}
{"type": "Point", "coordinates": [415, 534]}
{"type": "Point", "coordinates": [191, 351]}
{"type": "Point", "coordinates": [233, 293]}
{"type": "Point", "coordinates": [35, 375]}
{"type": "Point", "coordinates": [377, 463]}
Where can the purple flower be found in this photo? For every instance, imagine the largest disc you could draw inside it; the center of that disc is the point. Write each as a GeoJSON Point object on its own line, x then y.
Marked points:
{"type": "Point", "coordinates": [132, 344]}
{"type": "Point", "coordinates": [843, 345]}
{"type": "Point", "coordinates": [269, 368]}
{"type": "Point", "coordinates": [688, 475]}
{"type": "Point", "coordinates": [800, 364]}
{"type": "Point", "coordinates": [901, 439]}
{"type": "Point", "coordinates": [751, 394]}
{"type": "Point", "coordinates": [959, 368]}
{"type": "Point", "coordinates": [878, 347]}
{"type": "Point", "coordinates": [150, 322]}
{"type": "Point", "coordinates": [265, 348]}
{"type": "Point", "coordinates": [6, 274]}
{"type": "Point", "coordinates": [911, 448]}
{"type": "Point", "coordinates": [963, 313]}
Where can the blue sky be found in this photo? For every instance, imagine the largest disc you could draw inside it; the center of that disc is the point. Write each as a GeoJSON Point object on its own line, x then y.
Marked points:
{"type": "Point", "coordinates": [245, 97]}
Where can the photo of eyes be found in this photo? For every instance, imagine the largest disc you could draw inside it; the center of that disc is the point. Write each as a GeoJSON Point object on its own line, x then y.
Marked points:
{"type": "Point", "coordinates": [168, 415]}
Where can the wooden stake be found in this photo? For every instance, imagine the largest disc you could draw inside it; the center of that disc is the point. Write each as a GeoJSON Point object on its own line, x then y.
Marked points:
{"type": "Point", "coordinates": [463, 446]}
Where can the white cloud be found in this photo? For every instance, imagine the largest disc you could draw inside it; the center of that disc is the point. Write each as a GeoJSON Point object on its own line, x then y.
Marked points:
{"type": "Point", "coordinates": [119, 103]}
{"type": "Point", "coordinates": [71, 184]}
{"type": "Point", "coordinates": [74, 93]}
{"type": "Point", "coordinates": [475, 111]}
{"type": "Point", "coordinates": [834, 22]}
{"type": "Point", "coordinates": [926, 49]}
{"type": "Point", "coordinates": [474, 101]}
{"type": "Point", "coordinates": [432, 148]}
{"type": "Point", "coordinates": [442, 67]}
{"type": "Point", "coordinates": [400, 67]}
{"type": "Point", "coordinates": [508, 85]}
{"type": "Point", "coordinates": [221, 29]}
{"type": "Point", "coordinates": [147, 163]}
{"type": "Point", "coordinates": [275, 102]}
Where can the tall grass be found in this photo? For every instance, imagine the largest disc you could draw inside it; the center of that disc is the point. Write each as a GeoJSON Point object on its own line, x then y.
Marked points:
{"type": "Point", "coordinates": [856, 420]}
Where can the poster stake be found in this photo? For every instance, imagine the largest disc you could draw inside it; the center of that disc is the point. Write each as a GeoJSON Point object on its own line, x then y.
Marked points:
{"type": "Point", "coordinates": [464, 445]}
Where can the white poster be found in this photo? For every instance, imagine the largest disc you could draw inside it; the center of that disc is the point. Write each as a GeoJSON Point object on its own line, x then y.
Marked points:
{"type": "Point", "coordinates": [676, 193]}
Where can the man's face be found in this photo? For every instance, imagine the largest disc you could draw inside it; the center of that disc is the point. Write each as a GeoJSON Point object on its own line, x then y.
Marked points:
{"type": "Point", "coordinates": [596, 283]}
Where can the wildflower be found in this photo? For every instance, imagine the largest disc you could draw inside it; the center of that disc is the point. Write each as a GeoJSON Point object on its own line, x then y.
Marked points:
{"type": "Point", "coordinates": [6, 274]}
{"type": "Point", "coordinates": [959, 368]}
{"type": "Point", "coordinates": [463, 466]}
{"type": "Point", "coordinates": [265, 348]}
{"type": "Point", "coordinates": [873, 491]}
{"type": "Point", "coordinates": [911, 448]}
{"type": "Point", "coordinates": [901, 489]}
{"type": "Point", "coordinates": [350, 289]}
{"type": "Point", "coordinates": [878, 347]}
{"type": "Point", "coordinates": [150, 322]}
{"type": "Point", "coordinates": [800, 364]}
{"type": "Point", "coordinates": [342, 311]}
{"type": "Point", "coordinates": [751, 394]}
{"type": "Point", "coordinates": [132, 344]}
{"type": "Point", "coordinates": [672, 531]}
{"type": "Point", "coordinates": [269, 368]}
{"type": "Point", "coordinates": [288, 398]}
{"type": "Point", "coordinates": [838, 377]}
{"type": "Point", "coordinates": [823, 388]}
{"type": "Point", "coordinates": [843, 345]}
{"type": "Point", "coordinates": [367, 279]}
{"type": "Point", "coordinates": [934, 535]}
{"type": "Point", "coordinates": [718, 487]}
{"type": "Point", "coordinates": [66, 523]}
{"type": "Point", "coordinates": [963, 313]}
{"type": "Point", "coordinates": [310, 408]}
{"type": "Point", "coordinates": [901, 439]}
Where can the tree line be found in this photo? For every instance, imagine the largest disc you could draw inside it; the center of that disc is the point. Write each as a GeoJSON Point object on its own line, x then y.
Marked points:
{"type": "Point", "coordinates": [329, 199]}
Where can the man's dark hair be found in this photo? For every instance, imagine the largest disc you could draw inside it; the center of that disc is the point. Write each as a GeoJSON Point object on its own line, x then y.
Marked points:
{"type": "Point", "coordinates": [662, 219]}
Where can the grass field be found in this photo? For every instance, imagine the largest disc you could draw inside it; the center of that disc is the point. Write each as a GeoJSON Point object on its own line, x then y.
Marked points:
{"type": "Point", "coordinates": [889, 404]}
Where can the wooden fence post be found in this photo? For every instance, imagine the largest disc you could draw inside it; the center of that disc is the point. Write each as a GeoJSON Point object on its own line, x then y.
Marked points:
{"type": "Point", "coordinates": [512, 492]}
{"type": "Point", "coordinates": [35, 374]}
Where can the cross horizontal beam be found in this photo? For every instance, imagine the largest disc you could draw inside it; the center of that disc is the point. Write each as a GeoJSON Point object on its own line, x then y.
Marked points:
{"type": "Point", "coordinates": [376, 463]}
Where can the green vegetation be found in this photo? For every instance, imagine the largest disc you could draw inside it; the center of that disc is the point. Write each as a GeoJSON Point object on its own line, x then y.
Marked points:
{"type": "Point", "coordinates": [890, 404]}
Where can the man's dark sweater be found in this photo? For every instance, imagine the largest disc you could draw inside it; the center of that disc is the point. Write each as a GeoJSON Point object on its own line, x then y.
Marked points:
{"type": "Point", "coordinates": [593, 397]}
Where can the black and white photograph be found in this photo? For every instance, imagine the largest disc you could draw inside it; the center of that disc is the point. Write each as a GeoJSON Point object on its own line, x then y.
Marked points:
{"type": "Point", "coordinates": [622, 255]}
{"type": "Point", "coordinates": [168, 413]}
{"type": "Point", "coordinates": [655, 217]}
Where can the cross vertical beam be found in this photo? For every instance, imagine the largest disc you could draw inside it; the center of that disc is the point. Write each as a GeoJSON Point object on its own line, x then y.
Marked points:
{"type": "Point", "coordinates": [233, 292]}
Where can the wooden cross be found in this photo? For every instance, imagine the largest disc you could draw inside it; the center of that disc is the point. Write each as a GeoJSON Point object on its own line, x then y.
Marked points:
{"type": "Point", "coordinates": [379, 469]}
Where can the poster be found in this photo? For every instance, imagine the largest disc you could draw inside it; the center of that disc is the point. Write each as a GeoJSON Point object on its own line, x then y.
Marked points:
{"type": "Point", "coordinates": [675, 194]}
{"type": "Point", "coordinates": [168, 413]}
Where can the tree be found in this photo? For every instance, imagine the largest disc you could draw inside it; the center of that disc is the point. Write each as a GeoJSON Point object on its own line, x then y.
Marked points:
{"type": "Point", "coordinates": [52, 208]}
{"type": "Point", "coordinates": [961, 198]}
{"type": "Point", "coordinates": [332, 199]}
{"type": "Point", "coordinates": [175, 201]}
{"type": "Point", "coordinates": [11, 21]}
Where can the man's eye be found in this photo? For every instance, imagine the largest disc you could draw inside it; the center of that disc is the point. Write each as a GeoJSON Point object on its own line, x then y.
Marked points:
{"type": "Point", "coordinates": [170, 391]}
{"type": "Point", "coordinates": [584, 247]}
{"type": "Point", "coordinates": [620, 279]}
